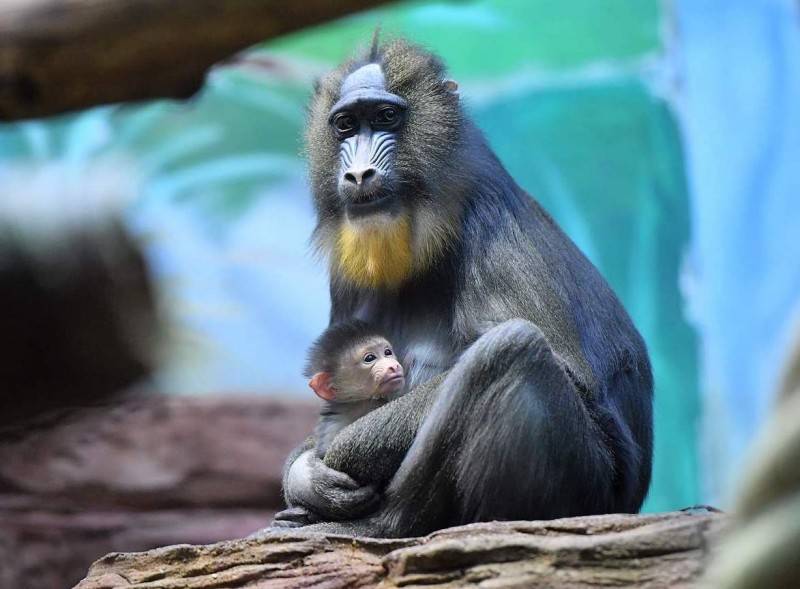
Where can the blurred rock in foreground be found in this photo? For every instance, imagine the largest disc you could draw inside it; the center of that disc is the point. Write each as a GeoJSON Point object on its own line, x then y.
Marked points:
{"type": "Point", "coordinates": [653, 551]}
{"type": "Point", "coordinates": [148, 472]}
{"type": "Point", "coordinates": [79, 318]}
{"type": "Point", "coordinates": [762, 550]}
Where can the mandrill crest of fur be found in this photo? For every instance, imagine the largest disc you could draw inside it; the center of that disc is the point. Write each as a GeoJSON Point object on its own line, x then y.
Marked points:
{"type": "Point", "coordinates": [386, 254]}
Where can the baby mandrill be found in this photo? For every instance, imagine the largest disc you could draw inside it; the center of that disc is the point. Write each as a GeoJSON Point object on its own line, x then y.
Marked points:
{"type": "Point", "coordinates": [354, 370]}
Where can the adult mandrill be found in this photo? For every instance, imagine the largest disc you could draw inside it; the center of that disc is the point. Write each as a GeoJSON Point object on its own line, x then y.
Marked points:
{"type": "Point", "coordinates": [530, 388]}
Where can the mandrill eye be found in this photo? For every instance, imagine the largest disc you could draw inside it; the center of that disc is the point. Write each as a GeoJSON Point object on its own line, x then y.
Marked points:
{"type": "Point", "coordinates": [370, 358]}
{"type": "Point", "coordinates": [387, 352]}
{"type": "Point", "coordinates": [386, 117]}
{"type": "Point", "coordinates": [345, 123]}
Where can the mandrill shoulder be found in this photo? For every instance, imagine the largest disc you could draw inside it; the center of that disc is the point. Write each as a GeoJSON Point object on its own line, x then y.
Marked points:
{"type": "Point", "coordinates": [516, 263]}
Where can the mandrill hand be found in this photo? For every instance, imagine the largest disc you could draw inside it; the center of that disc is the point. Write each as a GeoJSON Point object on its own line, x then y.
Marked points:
{"type": "Point", "coordinates": [327, 493]}
{"type": "Point", "coordinates": [339, 496]}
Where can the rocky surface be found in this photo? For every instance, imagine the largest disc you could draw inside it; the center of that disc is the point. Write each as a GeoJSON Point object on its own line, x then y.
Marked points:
{"type": "Point", "coordinates": [653, 551]}
{"type": "Point", "coordinates": [149, 472]}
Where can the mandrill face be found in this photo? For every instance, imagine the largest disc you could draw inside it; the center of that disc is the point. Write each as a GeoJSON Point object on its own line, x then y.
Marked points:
{"type": "Point", "coordinates": [366, 121]}
{"type": "Point", "coordinates": [381, 141]}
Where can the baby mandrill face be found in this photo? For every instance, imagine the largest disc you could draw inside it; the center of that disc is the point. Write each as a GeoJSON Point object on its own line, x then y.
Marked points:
{"type": "Point", "coordinates": [368, 370]}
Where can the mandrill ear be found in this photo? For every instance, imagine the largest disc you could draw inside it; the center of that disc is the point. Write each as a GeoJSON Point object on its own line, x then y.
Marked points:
{"type": "Point", "coordinates": [451, 86]}
{"type": "Point", "coordinates": [321, 383]}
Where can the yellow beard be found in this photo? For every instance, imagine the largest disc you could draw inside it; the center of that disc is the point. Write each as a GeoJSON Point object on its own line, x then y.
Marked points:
{"type": "Point", "coordinates": [375, 256]}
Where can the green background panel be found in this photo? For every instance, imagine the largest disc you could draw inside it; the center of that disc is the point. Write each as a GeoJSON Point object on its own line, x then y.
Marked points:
{"type": "Point", "coordinates": [497, 37]}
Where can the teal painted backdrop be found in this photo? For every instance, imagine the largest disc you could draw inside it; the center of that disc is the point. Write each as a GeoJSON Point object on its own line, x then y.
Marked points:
{"type": "Point", "coordinates": [571, 94]}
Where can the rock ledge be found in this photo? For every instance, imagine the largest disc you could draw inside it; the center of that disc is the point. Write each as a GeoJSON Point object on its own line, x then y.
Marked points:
{"type": "Point", "coordinates": [663, 550]}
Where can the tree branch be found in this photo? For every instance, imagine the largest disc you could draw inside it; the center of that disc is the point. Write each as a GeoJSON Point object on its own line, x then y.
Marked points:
{"type": "Point", "coordinates": [60, 55]}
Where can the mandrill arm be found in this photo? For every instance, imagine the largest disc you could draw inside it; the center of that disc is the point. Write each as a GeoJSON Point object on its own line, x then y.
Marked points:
{"type": "Point", "coordinates": [313, 491]}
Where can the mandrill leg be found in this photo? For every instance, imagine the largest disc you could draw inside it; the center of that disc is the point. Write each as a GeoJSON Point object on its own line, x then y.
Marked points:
{"type": "Point", "coordinates": [509, 437]}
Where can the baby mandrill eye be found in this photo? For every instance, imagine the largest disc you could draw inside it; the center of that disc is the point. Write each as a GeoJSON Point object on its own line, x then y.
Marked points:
{"type": "Point", "coordinates": [387, 352]}
{"type": "Point", "coordinates": [369, 358]}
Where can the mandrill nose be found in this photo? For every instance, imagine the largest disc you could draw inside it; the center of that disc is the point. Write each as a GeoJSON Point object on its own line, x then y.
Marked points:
{"type": "Point", "coordinates": [360, 176]}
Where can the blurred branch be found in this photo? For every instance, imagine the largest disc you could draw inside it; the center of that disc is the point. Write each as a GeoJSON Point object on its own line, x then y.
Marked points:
{"type": "Point", "coordinates": [60, 55]}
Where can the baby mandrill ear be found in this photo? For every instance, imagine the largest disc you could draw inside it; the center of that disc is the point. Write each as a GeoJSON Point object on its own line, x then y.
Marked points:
{"type": "Point", "coordinates": [321, 383]}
